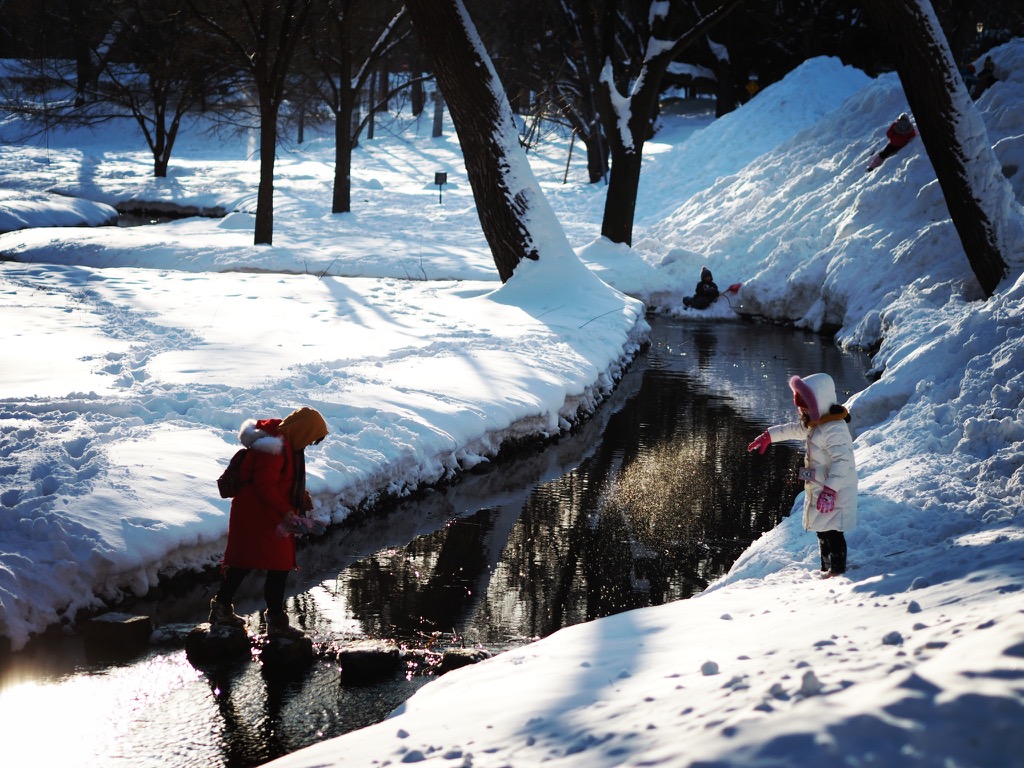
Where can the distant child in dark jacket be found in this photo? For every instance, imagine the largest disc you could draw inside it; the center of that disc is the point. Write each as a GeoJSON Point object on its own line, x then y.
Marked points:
{"type": "Point", "coordinates": [985, 78]}
{"type": "Point", "coordinates": [705, 292]}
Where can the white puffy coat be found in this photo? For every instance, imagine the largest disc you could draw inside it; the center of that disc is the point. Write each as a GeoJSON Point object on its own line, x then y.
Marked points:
{"type": "Point", "coordinates": [829, 454]}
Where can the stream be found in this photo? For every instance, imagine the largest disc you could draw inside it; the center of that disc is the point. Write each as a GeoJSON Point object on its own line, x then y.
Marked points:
{"type": "Point", "coordinates": [647, 502]}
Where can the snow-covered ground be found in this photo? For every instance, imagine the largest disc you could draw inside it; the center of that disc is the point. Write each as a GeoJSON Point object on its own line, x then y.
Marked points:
{"type": "Point", "coordinates": [131, 356]}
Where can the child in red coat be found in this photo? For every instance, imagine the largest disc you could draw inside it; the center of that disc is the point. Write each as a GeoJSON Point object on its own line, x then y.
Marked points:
{"type": "Point", "coordinates": [900, 133]}
{"type": "Point", "coordinates": [265, 513]}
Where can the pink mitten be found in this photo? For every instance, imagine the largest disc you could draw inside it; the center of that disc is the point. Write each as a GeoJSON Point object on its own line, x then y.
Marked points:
{"type": "Point", "coordinates": [761, 443]}
{"type": "Point", "coordinates": [826, 500]}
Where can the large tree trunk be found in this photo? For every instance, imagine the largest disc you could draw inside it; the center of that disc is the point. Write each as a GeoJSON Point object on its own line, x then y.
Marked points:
{"type": "Point", "coordinates": [476, 101]}
{"type": "Point", "coordinates": [264, 232]}
{"type": "Point", "coordinates": [952, 132]}
{"type": "Point", "coordinates": [343, 146]}
{"type": "Point", "coordinates": [620, 200]}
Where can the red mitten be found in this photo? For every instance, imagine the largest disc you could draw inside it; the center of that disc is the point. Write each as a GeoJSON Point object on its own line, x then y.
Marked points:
{"type": "Point", "coordinates": [761, 443]}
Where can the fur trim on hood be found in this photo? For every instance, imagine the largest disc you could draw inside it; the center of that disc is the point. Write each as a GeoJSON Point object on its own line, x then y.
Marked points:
{"type": "Point", "coordinates": [817, 391]}
{"type": "Point", "coordinates": [252, 436]}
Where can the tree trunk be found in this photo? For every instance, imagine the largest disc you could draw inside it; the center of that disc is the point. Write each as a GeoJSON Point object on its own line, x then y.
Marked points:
{"type": "Point", "coordinates": [345, 124]}
{"type": "Point", "coordinates": [342, 202]}
{"type": "Point", "coordinates": [620, 200]}
{"type": "Point", "coordinates": [725, 88]}
{"type": "Point", "coordinates": [504, 187]}
{"type": "Point", "coordinates": [160, 144]}
{"type": "Point", "coordinates": [85, 69]}
{"type": "Point", "coordinates": [587, 128]}
{"type": "Point", "coordinates": [264, 36]}
{"type": "Point", "coordinates": [418, 98]}
{"type": "Point", "coordinates": [383, 87]}
{"type": "Point", "coordinates": [952, 132]}
{"type": "Point", "coordinates": [627, 156]}
{"type": "Point", "coordinates": [371, 97]}
{"type": "Point", "coordinates": [597, 157]}
{"type": "Point", "coordinates": [264, 232]}
{"type": "Point", "coordinates": [437, 130]}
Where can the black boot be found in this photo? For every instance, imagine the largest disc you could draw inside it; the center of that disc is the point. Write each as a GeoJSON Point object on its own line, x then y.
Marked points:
{"type": "Point", "coordinates": [279, 626]}
{"type": "Point", "coordinates": [823, 552]}
{"type": "Point", "coordinates": [224, 614]}
{"type": "Point", "coordinates": [838, 548]}
{"type": "Point", "coordinates": [837, 552]}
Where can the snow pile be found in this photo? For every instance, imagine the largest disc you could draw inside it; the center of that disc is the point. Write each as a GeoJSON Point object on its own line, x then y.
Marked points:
{"type": "Point", "coordinates": [820, 241]}
{"type": "Point", "coordinates": [132, 361]}
{"type": "Point", "coordinates": [19, 209]}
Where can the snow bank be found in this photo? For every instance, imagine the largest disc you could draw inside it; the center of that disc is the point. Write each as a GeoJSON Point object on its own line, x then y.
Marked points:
{"type": "Point", "coordinates": [390, 321]}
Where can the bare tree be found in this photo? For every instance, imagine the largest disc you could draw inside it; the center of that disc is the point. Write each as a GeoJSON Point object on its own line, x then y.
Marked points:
{"type": "Point", "coordinates": [345, 65]}
{"type": "Point", "coordinates": [169, 72]}
{"type": "Point", "coordinates": [514, 214]}
{"type": "Point", "coordinates": [628, 98]}
{"type": "Point", "coordinates": [578, 90]}
{"type": "Point", "coordinates": [977, 195]}
{"type": "Point", "coordinates": [263, 36]}
{"type": "Point", "coordinates": [151, 65]}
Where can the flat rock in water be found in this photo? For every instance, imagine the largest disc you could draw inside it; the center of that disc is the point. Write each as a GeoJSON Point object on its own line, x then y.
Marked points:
{"type": "Point", "coordinates": [286, 654]}
{"type": "Point", "coordinates": [115, 635]}
{"type": "Point", "coordinates": [119, 627]}
{"type": "Point", "coordinates": [454, 658]}
{"type": "Point", "coordinates": [216, 644]}
{"type": "Point", "coordinates": [368, 661]}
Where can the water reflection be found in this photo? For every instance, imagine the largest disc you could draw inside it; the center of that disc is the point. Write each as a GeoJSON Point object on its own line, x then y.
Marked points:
{"type": "Point", "coordinates": [651, 510]}
{"type": "Point", "coordinates": [647, 502]}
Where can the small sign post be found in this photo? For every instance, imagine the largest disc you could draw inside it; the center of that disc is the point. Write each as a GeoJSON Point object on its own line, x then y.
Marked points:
{"type": "Point", "coordinates": [440, 178]}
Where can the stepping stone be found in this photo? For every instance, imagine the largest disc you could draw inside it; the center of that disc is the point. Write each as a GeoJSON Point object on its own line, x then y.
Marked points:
{"type": "Point", "coordinates": [453, 658]}
{"type": "Point", "coordinates": [286, 654]}
{"type": "Point", "coordinates": [116, 635]}
{"type": "Point", "coordinates": [209, 645]}
{"type": "Point", "coordinates": [368, 661]}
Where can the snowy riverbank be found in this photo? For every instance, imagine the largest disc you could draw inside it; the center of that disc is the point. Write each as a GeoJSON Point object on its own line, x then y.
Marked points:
{"type": "Point", "coordinates": [135, 359]}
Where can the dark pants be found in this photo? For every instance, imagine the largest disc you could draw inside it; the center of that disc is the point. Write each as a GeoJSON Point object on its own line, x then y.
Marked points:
{"type": "Point", "coordinates": [888, 151]}
{"type": "Point", "coordinates": [698, 302]}
{"type": "Point", "coordinates": [273, 587]}
{"type": "Point", "coordinates": [832, 546]}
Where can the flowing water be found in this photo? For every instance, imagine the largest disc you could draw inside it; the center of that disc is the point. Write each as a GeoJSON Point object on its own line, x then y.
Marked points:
{"type": "Point", "coordinates": [647, 502]}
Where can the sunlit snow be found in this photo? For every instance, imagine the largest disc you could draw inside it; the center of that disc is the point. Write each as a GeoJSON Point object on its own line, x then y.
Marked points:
{"type": "Point", "coordinates": [131, 356]}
